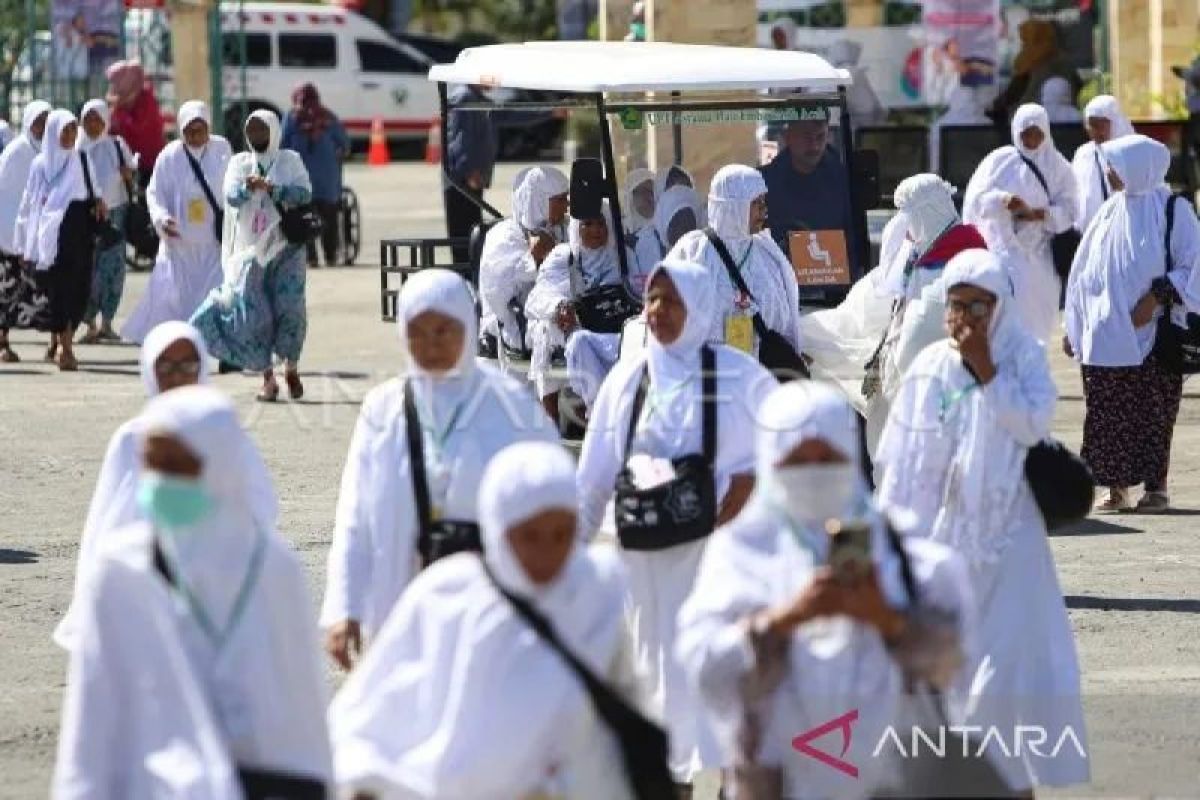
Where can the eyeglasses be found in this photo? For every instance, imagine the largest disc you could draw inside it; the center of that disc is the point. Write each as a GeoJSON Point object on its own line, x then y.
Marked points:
{"type": "Point", "coordinates": [976, 309]}
{"type": "Point", "coordinates": [177, 369]}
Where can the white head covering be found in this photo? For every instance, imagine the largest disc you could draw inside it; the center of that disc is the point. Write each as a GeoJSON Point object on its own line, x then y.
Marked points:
{"type": "Point", "coordinates": [668, 362]}
{"type": "Point", "coordinates": [531, 199]}
{"type": "Point", "coordinates": [927, 203]}
{"type": "Point", "coordinates": [54, 157]}
{"type": "Point", "coordinates": [100, 107]}
{"type": "Point", "coordinates": [982, 269]}
{"type": "Point", "coordinates": [266, 159]}
{"type": "Point", "coordinates": [159, 339]}
{"type": "Point", "coordinates": [634, 221]}
{"type": "Point", "coordinates": [1057, 98]}
{"type": "Point", "coordinates": [57, 180]}
{"type": "Point", "coordinates": [1029, 116]}
{"type": "Point", "coordinates": [191, 111]}
{"type": "Point", "coordinates": [29, 116]}
{"type": "Point", "coordinates": [734, 188]}
{"type": "Point", "coordinates": [675, 200]}
{"type": "Point", "coordinates": [546, 483]}
{"type": "Point", "coordinates": [1105, 106]}
{"type": "Point", "coordinates": [446, 293]}
{"type": "Point", "coordinates": [596, 267]}
{"type": "Point", "coordinates": [1140, 162]}
{"type": "Point", "coordinates": [788, 26]}
{"type": "Point", "coordinates": [673, 172]}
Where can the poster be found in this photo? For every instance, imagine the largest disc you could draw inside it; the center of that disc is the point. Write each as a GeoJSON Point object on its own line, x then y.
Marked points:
{"type": "Point", "coordinates": [820, 258]}
{"type": "Point", "coordinates": [86, 36]}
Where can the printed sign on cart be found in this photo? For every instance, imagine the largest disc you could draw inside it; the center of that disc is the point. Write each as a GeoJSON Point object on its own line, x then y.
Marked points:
{"type": "Point", "coordinates": [820, 258]}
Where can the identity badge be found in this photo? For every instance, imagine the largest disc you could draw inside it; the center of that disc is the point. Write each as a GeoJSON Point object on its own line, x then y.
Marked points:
{"type": "Point", "coordinates": [197, 211]}
{"type": "Point", "coordinates": [739, 332]}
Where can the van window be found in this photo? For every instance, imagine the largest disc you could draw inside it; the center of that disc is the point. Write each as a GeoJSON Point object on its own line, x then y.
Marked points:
{"type": "Point", "coordinates": [308, 50]}
{"type": "Point", "coordinates": [377, 57]}
{"type": "Point", "coordinates": [258, 50]}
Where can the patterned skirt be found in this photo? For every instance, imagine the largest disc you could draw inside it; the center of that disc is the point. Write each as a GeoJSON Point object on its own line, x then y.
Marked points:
{"type": "Point", "coordinates": [23, 303]}
{"type": "Point", "coordinates": [1129, 422]}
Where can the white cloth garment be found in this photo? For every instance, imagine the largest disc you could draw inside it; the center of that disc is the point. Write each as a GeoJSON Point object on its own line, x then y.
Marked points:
{"type": "Point", "coordinates": [188, 267]}
{"type": "Point", "coordinates": [861, 101]}
{"type": "Point", "coordinates": [507, 269]}
{"type": "Point", "coordinates": [635, 222]}
{"type": "Point", "coordinates": [965, 107]}
{"type": "Point", "coordinates": [763, 560]}
{"type": "Point", "coordinates": [567, 272]}
{"type": "Point", "coordinates": [1004, 174]}
{"type": "Point", "coordinates": [459, 699]}
{"type": "Point", "coordinates": [670, 427]}
{"type": "Point", "coordinates": [238, 606]}
{"type": "Point", "coordinates": [253, 228]}
{"type": "Point", "coordinates": [16, 162]}
{"type": "Point", "coordinates": [102, 156]}
{"type": "Point", "coordinates": [655, 241]}
{"type": "Point", "coordinates": [765, 269]}
{"type": "Point", "coordinates": [1089, 165]}
{"type": "Point", "coordinates": [56, 180]}
{"type": "Point", "coordinates": [1059, 103]}
{"type": "Point", "coordinates": [467, 417]}
{"type": "Point", "coordinates": [954, 454]}
{"type": "Point", "coordinates": [670, 177]}
{"type": "Point", "coordinates": [1122, 254]}
{"type": "Point", "coordinates": [114, 500]}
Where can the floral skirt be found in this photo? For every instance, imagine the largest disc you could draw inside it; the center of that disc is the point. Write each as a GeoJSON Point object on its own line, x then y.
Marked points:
{"type": "Point", "coordinates": [1129, 422]}
{"type": "Point", "coordinates": [23, 302]}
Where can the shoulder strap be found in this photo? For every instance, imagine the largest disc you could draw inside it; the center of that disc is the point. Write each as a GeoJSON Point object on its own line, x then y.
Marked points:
{"type": "Point", "coordinates": [416, 463]}
{"type": "Point", "coordinates": [199, 173]}
{"type": "Point", "coordinates": [906, 572]}
{"type": "Point", "coordinates": [1037, 173]}
{"type": "Point", "coordinates": [1103, 177]}
{"type": "Point", "coordinates": [1170, 258]}
{"type": "Point", "coordinates": [121, 161]}
{"type": "Point", "coordinates": [87, 176]}
{"type": "Point", "coordinates": [735, 275]}
{"type": "Point", "coordinates": [639, 399]}
{"type": "Point", "coordinates": [574, 275]}
{"type": "Point", "coordinates": [708, 414]}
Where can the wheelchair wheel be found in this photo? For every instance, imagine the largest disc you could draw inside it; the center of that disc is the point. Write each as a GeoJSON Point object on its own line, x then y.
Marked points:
{"type": "Point", "coordinates": [351, 221]}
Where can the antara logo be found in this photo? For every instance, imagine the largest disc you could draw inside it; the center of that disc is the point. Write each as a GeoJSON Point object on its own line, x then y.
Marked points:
{"type": "Point", "coordinates": [844, 723]}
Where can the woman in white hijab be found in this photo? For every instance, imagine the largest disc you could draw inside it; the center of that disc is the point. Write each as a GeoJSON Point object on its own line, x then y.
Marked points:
{"type": "Point", "coordinates": [668, 426]}
{"type": "Point", "coordinates": [459, 699]}
{"type": "Point", "coordinates": [954, 454]}
{"type": "Point", "coordinates": [1121, 284]}
{"type": "Point", "coordinates": [737, 213]}
{"type": "Point", "coordinates": [112, 163]}
{"type": "Point", "coordinates": [172, 356]}
{"type": "Point", "coordinates": [259, 312]}
{"type": "Point", "coordinates": [786, 629]}
{"type": "Point", "coordinates": [56, 224]}
{"type": "Point", "coordinates": [225, 590]}
{"type": "Point", "coordinates": [1058, 100]}
{"type": "Point", "coordinates": [679, 212]}
{"type": "Point", "coordinates": [587, 261]}
{"type": "Point", "coordinates": [512, 253]}
{"type": "Point", "coordinates": [638, 203]}
{"type": "Point", "coordinates": [1104, 122]}
{"type": "Point", "coordinates": [187, 212]}
{"type": "Point", "coordinates": [1022, 195]}
{"type": "Point", "coordinates": [466, 413]}
{"type": "Point", "coordinates": [20, 299]}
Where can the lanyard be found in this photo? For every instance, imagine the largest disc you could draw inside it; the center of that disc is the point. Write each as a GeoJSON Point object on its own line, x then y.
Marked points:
{"type": "Point", "coordinates": [439, 440]}
{"type": "Point", "coordinates": [1103, 177]}
{"type": "Point", "coordinates": [950, 400]}
{"type": "Point", "coordinates": [219, 636]}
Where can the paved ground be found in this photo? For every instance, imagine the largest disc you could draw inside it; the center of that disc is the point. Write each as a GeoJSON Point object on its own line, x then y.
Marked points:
{"type": "Point", "coordinates": [1131, 581]}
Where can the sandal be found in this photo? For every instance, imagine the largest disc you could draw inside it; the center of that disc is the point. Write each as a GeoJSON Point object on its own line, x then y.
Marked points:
{"type": "Point", "coordinates": [9, 356]}
{"type": "Point", "coordinates": [1116, 502]}
{"type": "Point", "coordinates": [91, 337]}
{"type": "Point", "coordinates": [108, 335]}
{"type": "Point", "coordinates": [295, 387]}
{"type": "Point", "coordinates": [1154, 503]}
{"type": "Point", "coordinates": [67, 363]}
{"type": "Point", "coordinates": [51, 356]}
{"type": "Point", "coordinates": [269, 392]}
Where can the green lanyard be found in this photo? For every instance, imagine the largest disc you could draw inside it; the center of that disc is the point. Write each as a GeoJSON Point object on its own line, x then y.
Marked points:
{"type": "Point", "coordinates": [180, 587]}
{"type": "Point", "coordinates": [950, 400]}
{"type": "Point", "coordinates": [439, 440]}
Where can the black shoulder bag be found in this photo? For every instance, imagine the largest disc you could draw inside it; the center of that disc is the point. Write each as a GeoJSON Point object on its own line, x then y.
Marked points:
{"type": "Point", "coordinates": [1061, 483]}
{"type": "Point", "coordinates": [1063, 245]}
{"type": "Point", "coordinates": [300, 224]}
{"type": "Point", "coordinates": [1177, 349]}
{"type": "Point", "coordinates": [441, 537]}
{"type": "Point", "coordinates": [139, 229]}
{"type": "Point", "coordinates": [218, 213]}
{"type": "Point", "coordinates": [684, 509]}
{"type": "Point", "coordinates": [645, 748]}
{"type": "Point", "coordinates": [103, 231]}
{"type": "Point", "coordinates": [602, 309]}
{"type": "Point", "coordinates": [775, 352]}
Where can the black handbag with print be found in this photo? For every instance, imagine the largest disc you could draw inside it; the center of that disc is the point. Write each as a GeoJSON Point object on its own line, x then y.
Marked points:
{"type": "Point", "coordinates": [684, 509]}
{"type": "Point", "coordinates": [106, 234]}
{"type": "Point", "coordinates": [1176, 348]}
{"type": "Point", "coordinates": [602, 309]}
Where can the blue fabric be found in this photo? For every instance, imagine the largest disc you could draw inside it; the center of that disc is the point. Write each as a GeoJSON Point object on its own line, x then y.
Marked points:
{"type": "Point", "coordinates": [108, 280]}
{"type": "Point", "coordinates": [322, 158]}
{"type": "Point", "coordinates": [471, 139]}
{"type": "Point", "coordinates": [814, 202]}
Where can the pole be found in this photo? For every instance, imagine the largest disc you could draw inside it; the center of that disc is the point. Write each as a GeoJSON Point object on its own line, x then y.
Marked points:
{"type": "Point", "coordinates": [242, 56]}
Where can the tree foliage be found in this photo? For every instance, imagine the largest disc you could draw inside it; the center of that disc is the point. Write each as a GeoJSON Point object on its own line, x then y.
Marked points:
{"type": "Point", "coordinates": [508, 20]}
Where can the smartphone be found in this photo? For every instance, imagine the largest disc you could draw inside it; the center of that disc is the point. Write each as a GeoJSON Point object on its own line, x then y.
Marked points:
{"type": "Point", "coordinates": [849, 548]}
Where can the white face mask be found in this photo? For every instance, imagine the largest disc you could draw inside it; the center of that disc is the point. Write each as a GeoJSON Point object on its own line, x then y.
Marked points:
{"type": "Point", "coordinates": [814, 493]}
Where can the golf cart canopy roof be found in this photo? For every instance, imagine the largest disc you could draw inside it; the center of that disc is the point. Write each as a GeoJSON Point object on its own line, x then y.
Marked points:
{"type": "Point", "coordinates": [589, 67]}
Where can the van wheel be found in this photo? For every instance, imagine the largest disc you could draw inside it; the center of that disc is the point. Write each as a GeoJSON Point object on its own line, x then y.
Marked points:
{"type": "Point", "coordinates": [235, 121]}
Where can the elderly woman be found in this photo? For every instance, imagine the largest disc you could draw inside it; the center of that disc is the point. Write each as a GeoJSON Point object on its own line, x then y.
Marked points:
{"type": "Point", "coordinates": [679, 212]}
{"type": "Point", "coordinates": [788, 626]}
{"type": "Point", "coordinates": [1023, 195]}
{"type": "Point", "coordinates": [260, 311]}
{"type": "Point", "coordinates": [1104, 122]}
{"type": "Point", "coordinates": [483, 708]}
{"type": "Point", "coordinates": [203, 592]}
{"type": "Point", "coordinates": [1127, 274]}
{"type": "Point", "coordinates": [656, 432]}
{"type": "Point", "coordinates": [513, 251]}
{"type": "Point", "coordinates": [315, 132]}
{"type": "Point", "coordinates": [401, 496]}
{"type": "Point", "coordinates": [20, 299]}
{"type": "Point", "coordinates": [638, 202]}
{"type": "Point", "coordinates": [755, 284]}
{"type": "Point", "coordinates": [954, 454]}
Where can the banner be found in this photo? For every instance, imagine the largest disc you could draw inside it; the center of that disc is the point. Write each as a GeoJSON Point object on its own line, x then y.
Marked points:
{"type": "Point", "coordinates": [86, 36]}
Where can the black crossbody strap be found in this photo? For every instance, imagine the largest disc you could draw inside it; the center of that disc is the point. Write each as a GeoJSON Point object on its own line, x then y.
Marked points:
{"type": "Point", "coordinates": [121, 161]}
{"type": "Point", "coordinates": [416, 462]}
{"type": "Point", "coordinates": [906, 573]}
{"type": "Point", "coordinates": [1170, 257]}
{"type": "Point", "coordinates": [708, 413]}
{"type": "Point", "coordinates": [639, 399]}
{"type": "Point", "coordinates": [1103, 177]}
{"type": "Point", "coordinates": [87, 177]}
{"type": "Point", "coordinates": [1037, 173]}
{"type": "Point", "coordinates": [735, 275]}
{"type": "Point", "coordinates": [199, 173]}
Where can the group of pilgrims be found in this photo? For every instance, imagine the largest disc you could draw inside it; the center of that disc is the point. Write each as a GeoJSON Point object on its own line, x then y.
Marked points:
{"type": "Point", "coordinates": [731, 559]}
{"type": "Point", "coordinates": [68, 193]}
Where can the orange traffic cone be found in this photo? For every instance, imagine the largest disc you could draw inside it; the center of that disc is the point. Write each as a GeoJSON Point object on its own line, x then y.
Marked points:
{"type": "Point", "coordinates": [378, 154]}
{"type": "Point", "coordinates": [433, 144]}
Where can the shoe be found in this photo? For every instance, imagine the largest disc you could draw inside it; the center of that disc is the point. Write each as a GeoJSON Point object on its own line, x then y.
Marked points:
{"type": "Point", "coordinates": [295, 387]}
{"type": "Point", "coordinates": [91, 337]}
{"type": "Point", "coordinates": [9, 356]}
{"type": "Point", "coordinates": [269, 392]}
{"type": "Point", "coordinates": [515, 354]}
{"type": "Point", "coordinates": [489, 348]}
{"type": "Point", "coordinates": [108, 335]}
{"type": "Point", "coordinates": [67, 363]}
{"type": "Point", "coordinates": [1154, 503]}
{"type": "Point", "coordinates": [1116, 502]}
{"type": "Point", "coordinates": [227, 367]}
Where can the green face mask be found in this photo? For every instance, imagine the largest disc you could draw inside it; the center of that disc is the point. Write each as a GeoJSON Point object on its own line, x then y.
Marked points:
{"type": "Point", "coordinates": [173, 502]}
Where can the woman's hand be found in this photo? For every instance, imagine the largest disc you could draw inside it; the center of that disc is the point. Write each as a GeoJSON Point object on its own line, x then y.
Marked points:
{"type": "Point", "coordinates": [343, 643]}
{"type": "Point", "coordinates": [1016, 205]}
{"type": "Point", "coordinates": [740, 489]}
{"type": "Point", "coordinates": [101, 210]}
{"type": "Point", "coordinates": [822, 597]}
{"type": "Point", "coordinates": [565, 317]}
{"type": "Point", "coordinates": [863, 600]}
{"type": "Point", "coordinates": [540, 245]}
{"type": "Point", "coordinates": [1143, 312]}
{"type": "Point", "coordinates": [971, 341]}
{"type": "Point", "coordinates": [127, 174]}
{"type": "Point", "coordinates": [1068, 351]}
{"type": "Point", "coordinates": [171, 228]}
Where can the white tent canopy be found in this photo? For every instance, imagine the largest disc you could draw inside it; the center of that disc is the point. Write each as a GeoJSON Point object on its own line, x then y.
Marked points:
{"type": "Point", "coordinates": [638, 67]}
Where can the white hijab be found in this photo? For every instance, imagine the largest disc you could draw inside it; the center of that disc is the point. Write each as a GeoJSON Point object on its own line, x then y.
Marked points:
{"type": "Point", "coordinates": [1105, 106]}
{"type": "Point", "coordinates": [634, 221]}
{"type": "Point", "coordinates": [446, 293]}
{"type": "Point", "coordinates": [927, 203]}
{"type": "Point", "coordinates": [85, 142]}
{"type": "Point", "coordinates": [674, 201]}
{"type": "Point", "coordinates": [16, 163]}
{"type": "Point", "coordinates": [189, 112]}
{"type": "Point", "coordinates": [599, 267]}
{"type": "Point", "coordinates": [734, 188]}
{"type": "Point", "coordinates": [28, 117]}
{"type": "Point", "coordinates": [531, 198]}
{"type": "Point", "coordinates": [1058, 102]}
{"type": "Point", "coordinates": [945, 453]}
{"type": "Point", "coordinates": [487, 709]}
{"type": "Point", "coordinates": [56, 181]}
{"type": "Point", "coordinates": [1088, 163]}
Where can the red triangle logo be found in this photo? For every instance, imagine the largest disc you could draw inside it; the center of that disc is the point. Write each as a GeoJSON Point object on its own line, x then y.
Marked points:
{"type": "Point", "coordinates": [845, 724]}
